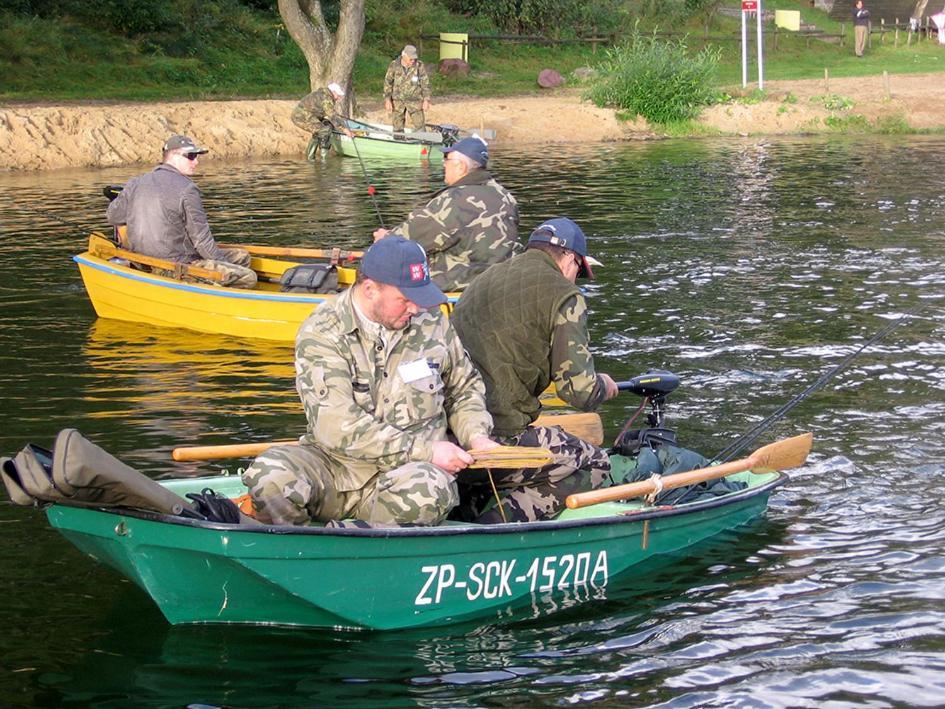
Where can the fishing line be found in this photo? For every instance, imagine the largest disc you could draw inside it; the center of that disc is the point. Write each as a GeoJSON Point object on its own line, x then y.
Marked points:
{"type": "Point", "coordinates": [749, 437]}
{"type": "Point", "coordinates": [367, 180]}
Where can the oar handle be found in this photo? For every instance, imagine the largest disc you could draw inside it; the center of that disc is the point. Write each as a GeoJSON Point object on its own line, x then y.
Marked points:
{"type": "Point", "coordinates": [104, 249]}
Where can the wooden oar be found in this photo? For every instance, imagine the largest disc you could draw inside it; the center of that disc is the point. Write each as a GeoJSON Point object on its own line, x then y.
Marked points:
{"type": "Point", "coordinates": [587, 426]}
{"type": "Point", "coordinates": [511, 457]}
{"type": "Point", "coordinates": [101, 247]}
{"type": "Point", "coordinates": [298, 252]}
{"type": "Point", "coordinates": [788, 453]}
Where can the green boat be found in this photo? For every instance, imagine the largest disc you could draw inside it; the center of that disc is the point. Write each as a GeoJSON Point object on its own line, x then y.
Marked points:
{"type": "Point", "coordinates": [202, 571]}
{"type": "Point", "coordinates": [373, 140]}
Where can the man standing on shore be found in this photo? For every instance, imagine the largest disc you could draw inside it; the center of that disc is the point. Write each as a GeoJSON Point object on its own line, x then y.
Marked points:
{"type": "Point", "coordinates": [407, 90]}
{"type": "Point", "coordinates": [861, 28]}
{"type": "Point", "coordinates": [165, 217]}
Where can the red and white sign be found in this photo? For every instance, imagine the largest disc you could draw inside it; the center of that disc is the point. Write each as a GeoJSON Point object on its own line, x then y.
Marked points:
{"type": "Point", "coordinates": [749, 5]}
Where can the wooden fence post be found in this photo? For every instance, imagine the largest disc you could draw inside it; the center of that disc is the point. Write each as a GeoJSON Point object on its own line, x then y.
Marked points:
{"type": "Point", "coordinates": [882, 30]}
{"type": "Point", "coordinates": [886, 85]}
{"type": "Point", "coordinates": [897, 33]}
{"type": "Point", "coordinates": [841, 34]}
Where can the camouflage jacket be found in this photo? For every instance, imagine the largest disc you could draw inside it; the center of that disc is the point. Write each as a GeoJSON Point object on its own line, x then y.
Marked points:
{"type": "Point", "coordinates": [525, 325]}
{"type": "Point", "coordinates": [406, 84]}
{"type": "Point", "coordinates": [372, 410]}
{"type": "Point", "coordinates": [315, 110]}
{"type": "Point", "coordinates": [465, 228]}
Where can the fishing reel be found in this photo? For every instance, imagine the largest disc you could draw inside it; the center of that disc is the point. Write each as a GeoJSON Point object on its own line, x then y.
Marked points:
{"type": "Point", "coordinates": [654, 386]}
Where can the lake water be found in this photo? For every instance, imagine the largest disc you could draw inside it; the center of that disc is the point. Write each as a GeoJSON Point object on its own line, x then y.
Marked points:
{"type": "Point", "coordinates": [748, 267]}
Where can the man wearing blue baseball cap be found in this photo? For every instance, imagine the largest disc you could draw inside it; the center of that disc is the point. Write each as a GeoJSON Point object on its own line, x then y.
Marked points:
{"type": "Point", "coordinates": [468, 225]}
{"type": "Point", "coordinates": [381, 375]}
{"type": "Point", "coordinates": [524, 324]}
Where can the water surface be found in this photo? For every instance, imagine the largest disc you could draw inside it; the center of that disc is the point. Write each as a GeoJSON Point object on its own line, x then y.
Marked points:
{"type": "Point", "coordinates": [747, 267]}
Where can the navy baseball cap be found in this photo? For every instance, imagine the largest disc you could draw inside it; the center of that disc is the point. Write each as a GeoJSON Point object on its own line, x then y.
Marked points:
{"type": "Point", "coordinates": [563, 232]}
{"type": "Point", "coordinates": [473, 147]}
{"type": "Point", "coordinates": [400, 262]}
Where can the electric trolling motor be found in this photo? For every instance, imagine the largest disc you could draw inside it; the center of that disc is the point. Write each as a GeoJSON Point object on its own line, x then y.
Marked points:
{"type": "Point", "coordinates": [449, 132]}
{"type": "Point", "coordinates": [654, 386]}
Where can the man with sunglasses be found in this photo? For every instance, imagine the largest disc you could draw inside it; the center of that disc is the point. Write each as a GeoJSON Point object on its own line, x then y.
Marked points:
{"type": "Point", "coordinates": [468, 225]}
{"type": "Point", "coordinates": [165, 217]}
{"type": "Point", "coordinates": [524, 324]}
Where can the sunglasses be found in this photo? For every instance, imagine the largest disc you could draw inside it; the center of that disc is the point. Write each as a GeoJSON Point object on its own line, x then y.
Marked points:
{"type": "Point", "coordinates": [191, 156]}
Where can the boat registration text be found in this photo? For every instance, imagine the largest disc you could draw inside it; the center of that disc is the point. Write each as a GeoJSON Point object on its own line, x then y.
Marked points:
{"type": "Point", "coordinates": [508, 579]}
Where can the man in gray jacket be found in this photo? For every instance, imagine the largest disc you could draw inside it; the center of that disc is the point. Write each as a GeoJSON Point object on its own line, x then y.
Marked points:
{"type": "Point", "coordinates": [165, 217]}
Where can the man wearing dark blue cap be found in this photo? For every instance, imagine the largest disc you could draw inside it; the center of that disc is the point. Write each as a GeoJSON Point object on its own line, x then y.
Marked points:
{"type": "Point", "coordinates": [381, 375]}
{"type": "Point", "coordinates": [468, 225]}
{"type": "Point", "coordinates": [524, 324]}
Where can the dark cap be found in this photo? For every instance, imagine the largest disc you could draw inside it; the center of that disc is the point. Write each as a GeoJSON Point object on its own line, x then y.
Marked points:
{"type": "Point", "coordinates": [400, 262]}
{"type": "Point", "coordinates": [473, 147]}
{"type": "Point", "coordinates": [409, 51]}
{"type": "Point", "coordinates": [183, 142]}
{"type": "Point", "coordinates": [563, 232]}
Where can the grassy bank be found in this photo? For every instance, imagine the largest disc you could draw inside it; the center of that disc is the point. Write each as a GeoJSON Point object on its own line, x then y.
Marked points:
{"type": "Point", "coordinates": [245, 52]}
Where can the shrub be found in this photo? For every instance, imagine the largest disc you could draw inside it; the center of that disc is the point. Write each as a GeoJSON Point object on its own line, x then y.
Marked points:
{"type": "Point", "coordinates": [657, 80]}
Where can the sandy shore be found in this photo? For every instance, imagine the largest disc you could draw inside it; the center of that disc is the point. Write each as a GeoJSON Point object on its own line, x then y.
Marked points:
{"type": "Point", "coordinates": [43, 137]}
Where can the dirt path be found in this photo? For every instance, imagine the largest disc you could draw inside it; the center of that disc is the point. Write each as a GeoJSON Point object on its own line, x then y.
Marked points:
{"type": "Point", "coordinates": [42, 137]}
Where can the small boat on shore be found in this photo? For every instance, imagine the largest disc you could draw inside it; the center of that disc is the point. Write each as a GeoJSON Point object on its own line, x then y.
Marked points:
{"type": "Point", "coordinates": [375, 140]}
{"type": "Point", "coordinates": [120, 290]}
{"type": "Point", "coordinates": [203, 570]}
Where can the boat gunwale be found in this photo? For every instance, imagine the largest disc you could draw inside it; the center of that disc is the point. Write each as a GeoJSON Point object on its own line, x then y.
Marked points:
{"type": "Point", "coordinates": [630, 516]}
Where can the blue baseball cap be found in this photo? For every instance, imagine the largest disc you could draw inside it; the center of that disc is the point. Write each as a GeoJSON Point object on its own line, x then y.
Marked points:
{"type": "Point", "coordinates": [563, 232]}
{"type": "Point", "coordinates": [400, 262]}
{"type": "Point", "coordinates": [473, 147]}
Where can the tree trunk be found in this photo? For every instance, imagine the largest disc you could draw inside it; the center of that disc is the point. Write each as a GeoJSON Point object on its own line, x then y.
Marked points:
{"type": "Point", "coordinates": [330, 58]}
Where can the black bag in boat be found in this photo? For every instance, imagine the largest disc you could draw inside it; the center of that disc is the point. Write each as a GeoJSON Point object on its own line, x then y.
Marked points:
{"type": "Point", "coordinates": [79, 473]}
{"type": "Point", "coordinates": [310, 278]}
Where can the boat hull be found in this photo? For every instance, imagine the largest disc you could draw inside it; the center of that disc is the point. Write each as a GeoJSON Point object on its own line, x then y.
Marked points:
{"type": "Point", "coordinates": [375, 141]}
{"type": "Point", "coordinates": [123, 293]}
{"type": "Point", "coordinates": [385, 579]}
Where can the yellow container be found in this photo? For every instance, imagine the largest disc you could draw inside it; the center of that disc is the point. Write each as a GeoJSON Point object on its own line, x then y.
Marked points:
{"type": "Point", "coordinates": [454, 45]}
{"type": "Point", "coordinates": [788, 19]}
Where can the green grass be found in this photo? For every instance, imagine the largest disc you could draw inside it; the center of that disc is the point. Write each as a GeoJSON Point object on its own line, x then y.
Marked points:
{"type": "Point", "coordinates": [249, 55]}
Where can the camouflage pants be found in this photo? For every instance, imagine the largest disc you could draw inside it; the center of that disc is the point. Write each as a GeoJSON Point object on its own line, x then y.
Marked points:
{"type": "Point", "coordinates": [294, 485]}
{"type": "Point", "coordinates": [539, 493]}
{"type": "Point", "coordinates": [235, 269]}
{"type": "Point", "coordinates": [410, 109]}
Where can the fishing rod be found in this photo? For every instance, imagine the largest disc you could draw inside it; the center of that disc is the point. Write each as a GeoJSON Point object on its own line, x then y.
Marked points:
{"type": "Point", "coordinates": [746, 439]}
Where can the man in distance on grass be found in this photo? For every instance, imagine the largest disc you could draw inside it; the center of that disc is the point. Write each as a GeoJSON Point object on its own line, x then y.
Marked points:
{"type": "Point", "coordinates": [382, 377]}
{"type": "Point", "coordinates": [524, 324]}
{"type": "Point", "coordinates": [165, 217]}
{"type": "Point", "coordinates": [469, 224]}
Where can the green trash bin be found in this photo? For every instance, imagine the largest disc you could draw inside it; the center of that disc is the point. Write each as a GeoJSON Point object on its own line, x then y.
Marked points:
{"type": "Point", "coordinates": [454, 45]}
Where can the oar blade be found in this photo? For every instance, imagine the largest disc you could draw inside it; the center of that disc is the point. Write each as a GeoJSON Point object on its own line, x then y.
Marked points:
{"type": "Point", "coordinates": [783, 455]}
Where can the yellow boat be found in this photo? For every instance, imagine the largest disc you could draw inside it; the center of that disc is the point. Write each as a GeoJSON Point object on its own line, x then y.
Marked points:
{"type": "Point", "coordinates": [121, 292]}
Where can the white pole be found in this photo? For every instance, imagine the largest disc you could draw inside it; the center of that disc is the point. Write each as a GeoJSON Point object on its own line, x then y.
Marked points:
{"type": "Point", "coordinates": [761, 67]}
{"type": "Point", "coordinates": [744, 50]}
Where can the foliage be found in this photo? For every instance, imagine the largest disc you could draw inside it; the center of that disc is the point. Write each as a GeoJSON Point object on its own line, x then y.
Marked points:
{"type": "Point", "coordinates": [545, 17]}
{"type": "Point", "coordinates": [833, 102]}
{"type": "Point", "coordinates": [658, 80]}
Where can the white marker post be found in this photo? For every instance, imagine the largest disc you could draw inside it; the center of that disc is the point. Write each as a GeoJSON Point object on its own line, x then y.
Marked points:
{"type": "Point", "coordinates": [761, 46]}
{"type": "Point", "coordinates": [746, 6]}
{"type": "Point", "coordinates": [749, 6]}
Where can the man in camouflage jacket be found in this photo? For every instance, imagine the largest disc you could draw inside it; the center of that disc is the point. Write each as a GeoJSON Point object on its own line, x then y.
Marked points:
{"type": "Point", "coordinates": [468, 225]}
{"type": "Point", "coordinates": [317, 112]}
{"type": "Point", "coordinates": [407, 90]}
{"type": "Point", "coordinates": [523, 323]}
{"type": "Point", "coordinates": [381, 380]}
